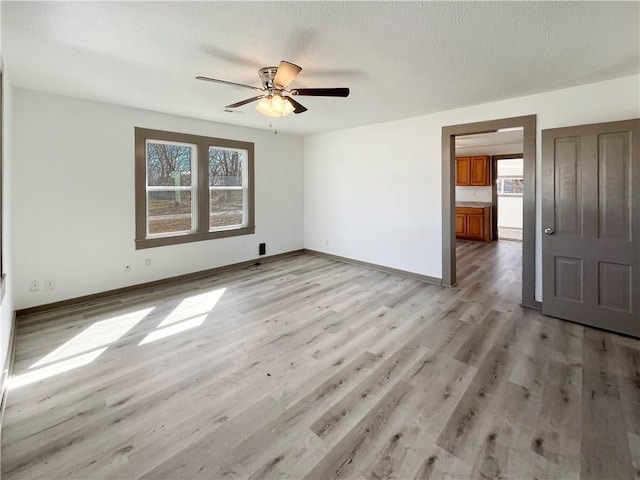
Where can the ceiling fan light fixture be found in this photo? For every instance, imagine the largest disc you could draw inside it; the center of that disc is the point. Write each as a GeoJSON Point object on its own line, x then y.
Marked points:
{"type": "Point", "coordinates": [277, 103]}
{"type": "Point", "coordinates": [275, 106]}
{"type": "Point", "coordinates": [275, 81]}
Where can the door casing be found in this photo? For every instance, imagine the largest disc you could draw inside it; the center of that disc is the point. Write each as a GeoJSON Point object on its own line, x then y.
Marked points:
{"type": "Point", "coordinates": [528, 122]}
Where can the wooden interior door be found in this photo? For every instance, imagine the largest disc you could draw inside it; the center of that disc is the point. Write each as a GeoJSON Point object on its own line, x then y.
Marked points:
{"type": "Point", "coordinates": [591, 222]}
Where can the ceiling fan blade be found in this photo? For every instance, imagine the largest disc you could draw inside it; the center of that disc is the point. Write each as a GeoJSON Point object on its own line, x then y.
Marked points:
{"type": "Point", "coordinates": [244, 102]}
{"type": "Point", "coordinates": [297, 108]}
{"type": "Point", "coordinates": [322, 92]}
{"type": "Point", "coordinates": [287, 71]}
{"type": "Point", "coordinates": [215, 80]}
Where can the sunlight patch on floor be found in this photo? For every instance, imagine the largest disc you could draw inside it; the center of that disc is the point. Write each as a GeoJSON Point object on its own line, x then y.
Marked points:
{"type": "Point", "coordinates": [193, 306]}
{"type": "Point", "coordinates": [54, 369]}
{"type": "Point", "coordinates": [173, 329]}
{"type": "Point", "coordinates": [97, 335]}
{"type": "Point", "coordinates": [190, 313]}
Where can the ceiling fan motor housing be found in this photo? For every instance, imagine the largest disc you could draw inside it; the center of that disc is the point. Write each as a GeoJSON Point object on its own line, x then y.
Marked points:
{"type": "Point", "coordinates": [267, 75]}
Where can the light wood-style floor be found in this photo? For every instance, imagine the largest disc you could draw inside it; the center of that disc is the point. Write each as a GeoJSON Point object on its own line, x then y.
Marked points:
{"type": "Point", "coordinates": [506, 233]}
{"type": "Point", "coordinates": [310, 368]}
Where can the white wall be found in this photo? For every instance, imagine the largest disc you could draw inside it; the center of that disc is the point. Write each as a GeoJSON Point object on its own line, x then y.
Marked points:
{"type": "Point", "coordinates": [6, 308]}
{"type": "Point", "coordinates": [73, 198]}
{"type": "Point", "coordinates": [371, 195]}
{"type": "Point", "coordinates": [374, 193]}
{"type": "Point", "coordinates": [512, 166]}
{"type": "Point", "coordinates": [510, 212]}
{"type": "Point", "coordinates": [473, 194]}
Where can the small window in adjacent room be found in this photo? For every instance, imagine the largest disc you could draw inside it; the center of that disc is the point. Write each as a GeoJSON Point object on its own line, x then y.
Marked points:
{"type": "Point", "coordinates": [191, 188]}
{"type": "Point", "coordinates": [510, 185]}
{"type": "Point", "coordinates": [510, 178]}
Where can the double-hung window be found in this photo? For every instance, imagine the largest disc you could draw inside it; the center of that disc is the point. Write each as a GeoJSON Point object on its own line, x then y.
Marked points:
{"type": "Point", "coordinates": [190, 188]}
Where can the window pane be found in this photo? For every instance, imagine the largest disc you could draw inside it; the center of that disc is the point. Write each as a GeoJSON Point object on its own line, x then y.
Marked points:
{"type": "Point", "coordinates": [226, 208]}
{"type": "Point", "coordinates": [169, 164]}
{"type": "Point", "coordinates": [517, 185]}
{"type": "Point", "coordinates": [510, 186]}
{"type": "Point", "coordinates": [169, 211]}
{"type": "Point", "coordinates": [225, 167]}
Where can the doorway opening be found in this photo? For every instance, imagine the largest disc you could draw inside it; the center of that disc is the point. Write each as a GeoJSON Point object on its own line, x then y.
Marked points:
{"type": "Point", "coordinates": [509, 192]}
{"type": "Point", "coordinates": [488, 201]}
{"type": "Point", "coordinates": [527, 125]}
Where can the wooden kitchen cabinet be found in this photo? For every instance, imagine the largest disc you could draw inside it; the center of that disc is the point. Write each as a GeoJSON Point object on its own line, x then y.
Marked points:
{"type": "Point", "coordinates": [473, 171]}
{"type": "Point", "coordinates": [480, 171]}
{"type": "Point", "coordinates": [475, 226]}
{"type": "Point", "coordinates": [463, 170]}
{"type": "Point", "coordinates": [473, 223]}
{"type": "Point", "coordinates": [461, 225]}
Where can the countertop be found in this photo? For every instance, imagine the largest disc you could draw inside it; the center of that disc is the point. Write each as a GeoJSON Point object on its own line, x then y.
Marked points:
{"type": "Point", "coordinates": [473, 204]}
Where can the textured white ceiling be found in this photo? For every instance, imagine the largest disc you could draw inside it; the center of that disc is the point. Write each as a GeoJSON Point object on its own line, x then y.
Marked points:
{"type": "Point", "coordinates": [491, 139]}
{"type": "Point", "coordinates": [400, 59]}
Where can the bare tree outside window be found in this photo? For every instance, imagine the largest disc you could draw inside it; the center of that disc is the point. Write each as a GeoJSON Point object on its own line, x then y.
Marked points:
{"type": "Point", "coordinates": [226, 187]}
{"type": "Point", "coordinates": [168, 163]}
{"type": "Point", "coordinates": [169, 186]}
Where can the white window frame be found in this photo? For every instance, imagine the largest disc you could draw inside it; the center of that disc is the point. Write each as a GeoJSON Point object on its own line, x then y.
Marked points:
{"type": "Point", "coordinates": [192, 188]}
{"type": "Point", "coordinates": [244, 187]}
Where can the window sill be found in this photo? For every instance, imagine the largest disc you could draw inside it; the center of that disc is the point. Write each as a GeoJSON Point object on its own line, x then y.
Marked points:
{"type": "Point", "coordinates": [142, 243]}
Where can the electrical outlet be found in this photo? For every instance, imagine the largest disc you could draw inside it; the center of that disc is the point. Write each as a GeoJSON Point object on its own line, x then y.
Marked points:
{"type": "Point", "coordinates": [262, 249]}
{"type": "Point", "coordinates": [147, 261]}
{"type": "Point", "coordinates": [127, 266]}
{"type": "Point", "coordinates": [34, 286]}
{"type": "Point", "coordinates": [49, 284]}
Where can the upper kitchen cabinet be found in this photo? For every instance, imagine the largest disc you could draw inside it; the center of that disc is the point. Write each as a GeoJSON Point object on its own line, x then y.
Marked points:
{"type": "Point", "coordinates": [480, 171]}
{"type": "Point", "coordinates": [463, 170]}
{"type": "Point", "coordinates": [473, 171]}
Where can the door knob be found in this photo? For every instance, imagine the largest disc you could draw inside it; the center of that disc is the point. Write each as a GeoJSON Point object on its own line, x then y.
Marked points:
{"type": "Point", "coordinates": [548, 231]}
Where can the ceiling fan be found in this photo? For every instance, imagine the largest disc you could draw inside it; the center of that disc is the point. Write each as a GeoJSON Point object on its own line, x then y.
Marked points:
{"type": "Point", "coordinates": [275, 80]}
